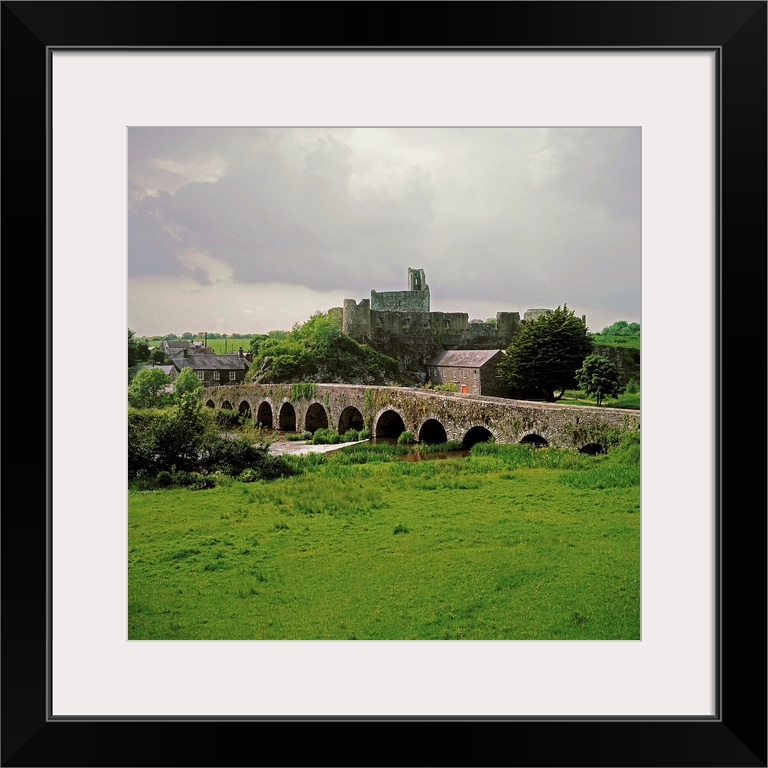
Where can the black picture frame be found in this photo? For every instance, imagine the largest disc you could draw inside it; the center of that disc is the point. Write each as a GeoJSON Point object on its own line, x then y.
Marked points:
{"type": "Point", "coordinates": [736, 736]}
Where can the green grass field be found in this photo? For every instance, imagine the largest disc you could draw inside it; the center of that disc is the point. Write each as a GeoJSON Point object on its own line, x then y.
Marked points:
{"type": "Point", "coordinates": [624, 400]}
{"type": "Point", "coordinates": [508, 543]}
{"type": "Point", "coordinates": [627, 342]}
{"type": "Point", "coordinates": [219, 346]}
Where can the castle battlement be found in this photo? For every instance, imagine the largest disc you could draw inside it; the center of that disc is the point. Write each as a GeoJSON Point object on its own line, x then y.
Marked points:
{"type": "Point", "coordinates": [401, 324]}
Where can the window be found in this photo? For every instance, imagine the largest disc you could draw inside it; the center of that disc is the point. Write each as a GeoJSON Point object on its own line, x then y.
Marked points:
{"type": "Point", "coordinates": [216, 375]}
{"type": "Point", "coordinates": [201, 375]}
{"type": "Point", "coordinates": [231, 375]}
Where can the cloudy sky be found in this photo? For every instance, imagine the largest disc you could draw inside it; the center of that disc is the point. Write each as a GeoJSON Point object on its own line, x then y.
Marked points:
{"type": "Point", "coordinates": [252, 229]}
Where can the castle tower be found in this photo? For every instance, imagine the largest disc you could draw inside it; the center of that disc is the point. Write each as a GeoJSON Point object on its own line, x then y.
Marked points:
{"type": "Point", "coordinates": [417, 281]}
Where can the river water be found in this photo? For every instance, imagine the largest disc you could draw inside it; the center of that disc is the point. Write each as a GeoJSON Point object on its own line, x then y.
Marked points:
{"type": "Point", "coordinates": [299, 447]}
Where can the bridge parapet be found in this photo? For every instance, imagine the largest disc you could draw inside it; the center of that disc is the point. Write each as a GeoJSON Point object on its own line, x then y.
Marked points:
{"type": "Point", "coordinates": [302, 406]}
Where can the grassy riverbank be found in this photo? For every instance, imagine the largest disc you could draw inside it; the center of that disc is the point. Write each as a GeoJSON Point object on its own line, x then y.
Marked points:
{"type": "Point", "coordinates": [508, 543]}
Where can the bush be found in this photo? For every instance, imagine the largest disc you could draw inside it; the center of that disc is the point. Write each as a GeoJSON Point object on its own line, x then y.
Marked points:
{"type": "Point", "coordinates": [320, 437]}
{"type": "Point", "coordinates": [203, 482]}
{"type": "Point", "coordinates": [400, 528]}
{"type": "Point", "coordinates": [406, 438]}
{"type": "Point", "coordinates": [227, 417]}
{"type": "Point", "coordinates": [632, 387]}
{"type": "Point", "coordinates": [164, 479]}
{"type": "Point", "coordinates": [351, 436]}
{"type": "Point", "coordinates": [249, 475]}
{"type": "Point", "coordinates": [232, 456]}
{"type": "Point", "coordinates": [449, 387]}
{"type": "Point", "coordinates": [364, 434]}
{"type": "Point", "coordinates": [326, 437]}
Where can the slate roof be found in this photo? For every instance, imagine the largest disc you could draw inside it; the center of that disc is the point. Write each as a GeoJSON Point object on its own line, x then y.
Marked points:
{"type": "Point", "coordinates": [213, 363]}
{"type": "Point", "coordinates": [177, 344]}
{"type": "Point", "coordinates": [174, 353]}
{"type": "Point", "coordinates": [464, 358]}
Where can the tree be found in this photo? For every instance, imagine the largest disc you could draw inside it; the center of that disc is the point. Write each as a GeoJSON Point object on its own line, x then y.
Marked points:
{"type": "Point", "coordinates": [318, 350]}
{"type": "Point", "coordinates": [546, 353]}
{"type": "Point", "coordinates": [138, 351]}
{"type": "Point", "coordinates": [158, 357]}
{"type": "Point", "coordinates": [147, 390]}
{"type": "Point", "coordinates": [186, 381]}
{"type": "Point", "coordinates": [599, 377]}
{"type": "Point", "coordinates": [621, 328]}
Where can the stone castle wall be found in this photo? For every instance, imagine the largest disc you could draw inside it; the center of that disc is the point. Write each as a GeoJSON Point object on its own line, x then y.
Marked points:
{"type": "Point", "coordinates": [401, 325]}
{"type": "Point", "coordinates": [400, 301]}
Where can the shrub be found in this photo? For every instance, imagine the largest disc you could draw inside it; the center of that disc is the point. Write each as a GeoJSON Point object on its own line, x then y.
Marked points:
{"type": "Point", "coordinates": [351, 436]}
{"type": "Point", "coordinates": [234, 456]}
{"type": "Point", "coordinates": [449, 387]}
{"type": "Point", "coordinates": [249, 475]}
{"type": "Point", "coordinates": [632, 387]}
{"type": "Point", "coordinates": [164, 479]}
{"type": "Point", "coordinates": [293, 436]}
{"type": "Point", "coordinates": [320, 437]}
{"type": "Point", "coordinates": [203, 482]}
{"type": "Point", "coordinates": [326, 437]}
{"type": "Point", "coordinates": [227, 417]}
{"type": "Point", "coordinates": [364, 434]}
{"type": "Point", "coordinates": [406, 438]}
{"type": "Point", "coordinates": [400, 528]}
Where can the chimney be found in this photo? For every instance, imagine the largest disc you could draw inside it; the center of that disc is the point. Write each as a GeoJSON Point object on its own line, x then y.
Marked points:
{"type": "Point", "coordinates": [184, 352]}
{"type": "Point", "coordinates": [240, 352]}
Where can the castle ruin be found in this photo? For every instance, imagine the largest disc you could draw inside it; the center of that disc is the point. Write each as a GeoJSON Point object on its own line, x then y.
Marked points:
{"type": "Point", "coordinates": [400, 324]}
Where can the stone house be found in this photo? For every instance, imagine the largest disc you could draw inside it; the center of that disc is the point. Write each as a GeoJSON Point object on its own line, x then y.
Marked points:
{"type": "Point", "coordinates": [474, 371]}
{"type": "Point", "coordinates": [214, 370]}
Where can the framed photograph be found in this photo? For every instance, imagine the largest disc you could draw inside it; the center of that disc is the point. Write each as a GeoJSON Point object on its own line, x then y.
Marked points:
{"type": "Point", "coordinates": [684, 84]}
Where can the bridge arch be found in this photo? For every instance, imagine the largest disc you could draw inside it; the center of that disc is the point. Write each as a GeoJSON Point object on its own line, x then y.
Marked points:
{"type": "Point", "coordinates": [432, 432]}
{"type": "Point", "coordinates": [316, 417]}
{"type": "Point", "coordinates": [389, 422]}
{"type": "Point", "coordinates": [510, 421]}
{"type": "Point", "coordinates": [593, 449]}
{"type": "Point", "coordinates": [264, 415]}
{"type": "Point", "coordinates": [244, 409]}
{"type": "Point", "coordinates": [477, 434]}
{"type": "Point", "coordinates": [534, 440]}
{"type": "Point", "coordinates": [287, 418]}
{"type": "Point", "coordinates": [350, 418]}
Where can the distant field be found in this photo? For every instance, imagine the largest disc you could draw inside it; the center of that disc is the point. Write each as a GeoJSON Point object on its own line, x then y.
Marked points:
{"type": "Point", "coordinates": [219, 346]}
{"type": "Point", "coordinates": [625, 400]}
{"type": "Point", "coordinates": [626, 342]}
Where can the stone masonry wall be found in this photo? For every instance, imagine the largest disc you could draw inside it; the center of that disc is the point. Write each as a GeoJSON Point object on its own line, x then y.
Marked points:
{"type": "Point", "coordinates": [508, 420]}
{"type": "Point", "coordinates": [400, 301]}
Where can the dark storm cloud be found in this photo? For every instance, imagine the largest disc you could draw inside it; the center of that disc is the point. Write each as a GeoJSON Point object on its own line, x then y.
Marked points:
{"type": "Point", "coordinates": [282, 213]}
{"type": "Point", "coordinates": [509, 218]}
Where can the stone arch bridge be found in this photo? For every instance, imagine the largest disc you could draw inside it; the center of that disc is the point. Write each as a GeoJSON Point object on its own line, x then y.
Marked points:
{"type": "Point", "coordinates": [432, 417]}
